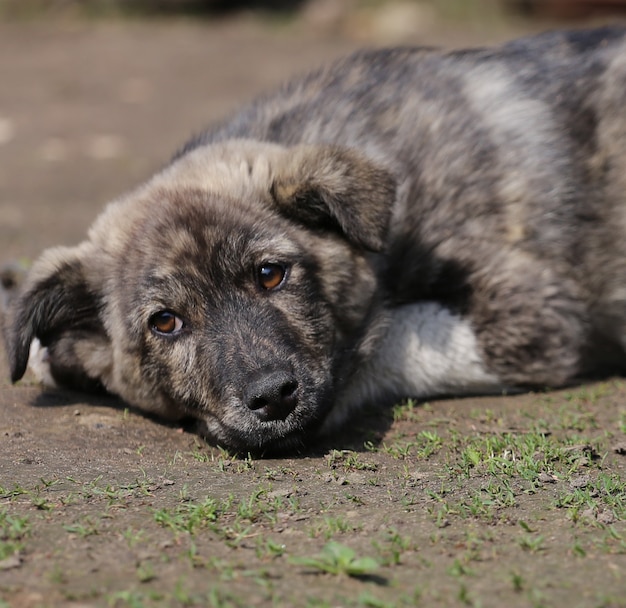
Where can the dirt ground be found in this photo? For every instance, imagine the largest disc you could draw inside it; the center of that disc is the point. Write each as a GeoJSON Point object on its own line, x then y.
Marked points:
{"type": "Point", "coordinates": [511, 501]}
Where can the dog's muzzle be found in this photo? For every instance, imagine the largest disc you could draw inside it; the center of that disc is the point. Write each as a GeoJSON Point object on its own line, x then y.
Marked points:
{"type": "Point", "coordinates": [271, 395]}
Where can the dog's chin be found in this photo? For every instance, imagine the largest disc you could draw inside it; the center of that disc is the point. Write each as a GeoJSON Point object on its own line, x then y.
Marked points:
{"type": "Point", "coordinates": [247, 434]}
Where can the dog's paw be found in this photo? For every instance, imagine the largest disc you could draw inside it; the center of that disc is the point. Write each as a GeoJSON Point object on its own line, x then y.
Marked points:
{"type": "Point", "coordinates": [39, 363]}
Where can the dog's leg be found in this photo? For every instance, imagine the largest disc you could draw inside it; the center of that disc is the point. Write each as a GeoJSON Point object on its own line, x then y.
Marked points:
{"type": "Point", "coordinates": [39, 363]}
{"type": "Point", "coordinates": [426, 350]}
{"type": "Point", "coordinates": [531, 322]}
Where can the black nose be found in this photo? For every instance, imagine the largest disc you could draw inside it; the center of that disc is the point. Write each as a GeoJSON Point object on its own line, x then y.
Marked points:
{"type": "Point", "coordinates": [272, 395]}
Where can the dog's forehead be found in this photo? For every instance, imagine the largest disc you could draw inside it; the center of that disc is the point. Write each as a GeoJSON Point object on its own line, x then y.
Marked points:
{"type": "Point", "coordinates": [209, 191]}
{"type": "Point", "coordinates": [235, 168]}
{"type": "Point", "coordinates": [191, 224]}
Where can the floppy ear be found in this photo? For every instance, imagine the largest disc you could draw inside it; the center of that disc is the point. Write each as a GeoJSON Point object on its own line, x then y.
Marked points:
{"type": "Point", "coordinates": [56, 306]}
{"type": "Point", "coordinates": [331, 186]}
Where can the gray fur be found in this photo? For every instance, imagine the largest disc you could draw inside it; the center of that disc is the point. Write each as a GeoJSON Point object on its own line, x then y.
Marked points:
{"type": "Point", "coordinates": [447, 221]}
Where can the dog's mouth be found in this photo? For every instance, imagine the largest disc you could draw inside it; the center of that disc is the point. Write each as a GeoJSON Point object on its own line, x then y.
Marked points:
{"type": "Point", "coordinates": [287, 425]}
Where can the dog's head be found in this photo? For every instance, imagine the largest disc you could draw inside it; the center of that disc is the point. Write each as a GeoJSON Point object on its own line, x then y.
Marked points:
{"type": "Point", "coordinates": [225, 288]}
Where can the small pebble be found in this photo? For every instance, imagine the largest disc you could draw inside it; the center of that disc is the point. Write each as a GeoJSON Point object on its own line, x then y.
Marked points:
{"type": "Point", "coordinates": [13, 561]}
{"type": "Point", "coordinates": [580, 482]}
{"type": "Point", "coordinates": [588, 514]}
{"type": "Point", "coordinates": [546, 478]}
{"type": "Point", "coordinates": [607, 518]}
{"type": "Point", "coordinates": [283, 493]}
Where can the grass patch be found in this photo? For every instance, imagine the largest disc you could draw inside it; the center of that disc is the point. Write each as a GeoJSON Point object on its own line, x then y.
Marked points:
{"type": "Point", "coordinates": [13, 530]}
{"type": "Point", "coordinates": [338, 559]}
{"type": "Point", "coordinates": [189, 517]}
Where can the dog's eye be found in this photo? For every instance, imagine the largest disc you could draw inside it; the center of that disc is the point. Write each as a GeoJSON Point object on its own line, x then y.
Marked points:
{"type": "Point", "coordinates": [271, 275]}
{"type": "Point", "coordinates": [165, 322]}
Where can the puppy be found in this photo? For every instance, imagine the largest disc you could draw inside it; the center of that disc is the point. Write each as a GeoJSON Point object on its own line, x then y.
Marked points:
{"type": "Point", "coordinates": [404, 222]}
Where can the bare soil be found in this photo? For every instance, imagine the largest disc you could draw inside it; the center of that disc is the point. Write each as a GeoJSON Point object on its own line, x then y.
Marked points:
{"type": "Point", "coordinates": [509, 501]}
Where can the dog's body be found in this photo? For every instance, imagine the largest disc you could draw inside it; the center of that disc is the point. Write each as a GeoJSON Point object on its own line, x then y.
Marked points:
{"type": "Point", "coordinates": [403, 223]}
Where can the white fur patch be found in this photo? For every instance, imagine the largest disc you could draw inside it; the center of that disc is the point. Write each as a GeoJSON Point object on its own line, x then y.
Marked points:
{"type": "Point", "coordinates": [39, 363]}
{"type": "Point", "coordinates": [426, 351]}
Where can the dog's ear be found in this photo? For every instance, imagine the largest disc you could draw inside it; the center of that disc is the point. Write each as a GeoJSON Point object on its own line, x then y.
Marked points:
{"type": "Point", "coordinates": [54, 303]}
{"type": "Point", "coordinates": [331, 186]}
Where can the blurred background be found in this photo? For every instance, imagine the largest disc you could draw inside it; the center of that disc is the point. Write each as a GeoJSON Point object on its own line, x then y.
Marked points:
{"type": "Point", "coordinates": [327, 10]}
{"type": "Point", "coordinates": [95, 95]}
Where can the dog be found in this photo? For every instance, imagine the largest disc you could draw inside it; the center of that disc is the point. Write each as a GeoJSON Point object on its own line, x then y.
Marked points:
{"type": "Point", "coordinates": [407, 222]}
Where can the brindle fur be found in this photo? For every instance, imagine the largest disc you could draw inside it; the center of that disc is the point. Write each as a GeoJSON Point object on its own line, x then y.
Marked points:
{"type": "Point", "coordinates": [478, 189]}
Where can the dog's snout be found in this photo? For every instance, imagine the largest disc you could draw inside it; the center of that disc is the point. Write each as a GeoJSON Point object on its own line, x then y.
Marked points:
{"type": "Point", "coordinates": [272, 395]}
